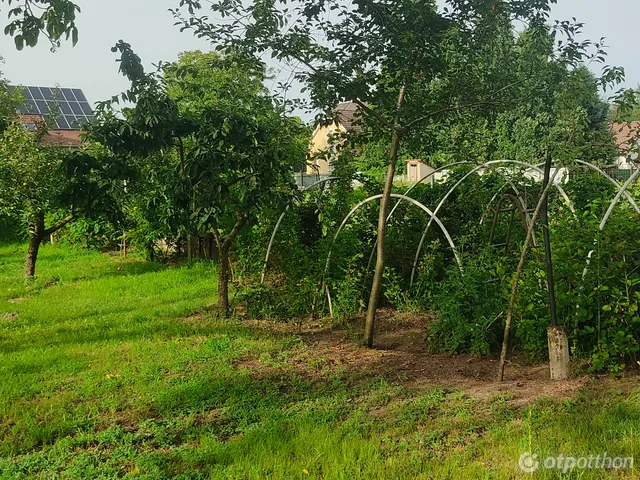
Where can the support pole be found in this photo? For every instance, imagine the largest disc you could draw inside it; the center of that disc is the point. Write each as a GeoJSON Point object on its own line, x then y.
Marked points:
{"type": "Point", "coordinates": [544, 214]}
{"type": "Point", "coordinates": [558, 352]}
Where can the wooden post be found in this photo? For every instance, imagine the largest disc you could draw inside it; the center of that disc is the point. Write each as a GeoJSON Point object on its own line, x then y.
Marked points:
{"type": "Point", "coordinates": [558, 352]}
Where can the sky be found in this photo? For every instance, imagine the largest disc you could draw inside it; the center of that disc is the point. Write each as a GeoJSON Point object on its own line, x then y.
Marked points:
{"type": "Point", "coordinates": [149, 27]}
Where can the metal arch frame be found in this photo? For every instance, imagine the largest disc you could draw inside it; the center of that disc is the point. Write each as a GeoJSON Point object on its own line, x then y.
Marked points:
{"type": "Point", "coordinates": [605, 175]}
{"type": "Point", "coordinates": [498, 210]}
{"type": "Point", "coordinates": [612, 181]}
{"type": "Point", "coordinates": [522, 201]}
{"type": "Point", "coordinates": [277, 227]}
{"type": "Point", "coordinates": [491, 201]}
{"type": "Point", "coordinates": [603, 223]}
{"type": "Point", "coordinates": [523, 208]}
{"type": "Point", "coordinates": [607, 215]}
{"type": "Point", "coordinates": [622, 190]}
{"type": "Point", "coordinates": [395, 207]}
{"type": "Point", "coordinates": [476, 169]}
{"type": "Point", "coordinates": [401, 197]}
{"type": "Point", "coordinates": [455, 164]}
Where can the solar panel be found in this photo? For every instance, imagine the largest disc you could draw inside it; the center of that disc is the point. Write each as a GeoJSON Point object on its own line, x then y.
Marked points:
{"type": "Point", "coordinates": [67, 108]}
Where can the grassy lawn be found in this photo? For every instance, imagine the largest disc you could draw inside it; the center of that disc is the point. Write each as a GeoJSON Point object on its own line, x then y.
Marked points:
{"type": "Point", "coordinates": [116, 368]}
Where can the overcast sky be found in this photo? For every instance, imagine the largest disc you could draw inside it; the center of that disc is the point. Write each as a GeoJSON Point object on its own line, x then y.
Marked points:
{"type": "Point", "coordinates": [148, 26]}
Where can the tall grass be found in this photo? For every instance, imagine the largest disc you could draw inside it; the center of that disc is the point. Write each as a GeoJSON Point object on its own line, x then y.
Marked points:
{"type": "Point", "coordinates": [117, 368]}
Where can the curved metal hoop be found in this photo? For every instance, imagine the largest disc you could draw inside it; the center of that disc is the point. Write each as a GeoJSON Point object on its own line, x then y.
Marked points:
{"type": "Point", "coordinates": [493, 199]}
{"type": "Point", "coordinates": [431, 214]}
{"type": "Point", "coordinates": [603, 223]}
{"type": "Point", "coordinates": [277, 227]}
{"type": "Point", "coordinates": [395, 207]}
{"type": "Point", "coordinates": [450, 192]}
{"type": "Point", "coordinates": [605, 219]}
{"type": "Point", "coordinates": [612, 181]}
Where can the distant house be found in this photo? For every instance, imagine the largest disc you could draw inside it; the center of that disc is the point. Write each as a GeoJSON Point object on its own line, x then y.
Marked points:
{"type": "Point", "coordinates": [627, 137]}
{"type": "Point", "coordinates": [418, 169]}
{"type": "Point", "coordinates": [63, 110]}
{"type": "Point", "coordinates": [324, 136]}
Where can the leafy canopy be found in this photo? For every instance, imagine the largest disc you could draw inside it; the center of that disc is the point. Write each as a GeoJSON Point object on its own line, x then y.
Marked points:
{"type": "Point", "coordinates": [211, 143]}
{"type": "Point", "coordinates": [36, 179]}
{"type": "Point", "coordinates": [28, 19]}
{"type": "Point", "coordinates": [462, 60]}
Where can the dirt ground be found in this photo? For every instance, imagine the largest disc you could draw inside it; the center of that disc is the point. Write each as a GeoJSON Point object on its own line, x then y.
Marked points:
{"type": "Point", "coordinates": [400, 355]}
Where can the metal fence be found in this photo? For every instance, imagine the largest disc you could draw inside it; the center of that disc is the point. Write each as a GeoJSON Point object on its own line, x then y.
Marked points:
{"type": "Point", "coordinates": [575, 171]}
{"type": "Point", "coordinates": [619, 174]}
{"type": "Point", "coordinates": [306, 179]}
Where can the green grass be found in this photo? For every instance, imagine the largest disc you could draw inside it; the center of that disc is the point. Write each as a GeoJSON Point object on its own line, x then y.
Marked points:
{"type": "Point", "coordinates": [112, 368]}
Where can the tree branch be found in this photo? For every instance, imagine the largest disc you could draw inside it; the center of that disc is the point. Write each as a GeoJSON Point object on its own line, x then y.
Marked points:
{"type": "Point", "coordinates": [454, 108]}
{"type": "Point", "coordinates": [457, 108]}
{"type": "Point", "coordinates": [373, 113]}
{"type": "Point", "coordinates": [57, 227]}
{"type": "Point", "coordinates": [239, 179]}
{"type": "Point", "coordinates": [217, 237]}
{"type": "Point", "coordinates": [240, 223]}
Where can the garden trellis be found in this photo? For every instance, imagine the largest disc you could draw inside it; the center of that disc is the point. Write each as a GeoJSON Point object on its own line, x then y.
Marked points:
{"type": "Point", "coordinates": [433, 215]}
{"type": "Point", "coordinates": [507, 190]}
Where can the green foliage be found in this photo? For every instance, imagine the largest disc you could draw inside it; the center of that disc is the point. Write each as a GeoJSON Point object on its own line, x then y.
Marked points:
{"type": "Point", "coordinates": [10, 100]}
{"type": "Point", "coordinates": [607, 323]}
{"type": "Point", "coordinates": [470, 307]}
{"type": "Point", "coordinates": [99, 234]}
{"type": "Point", "coordinates": [347, 291]}
{"type": "Point", "coordinates": [36, 179]}
{"type": "Point", "coordinates": [476, 88]}
{"type": "Point", "coordinates": [112, 368]}
{"type": "Point", "coordinates": [55, 19]}
{"type": "Point", "coordinates": [403, 300]}
{"type": "Point", "coordinates": [627, 108]}
{"type": "Point", "coordinates": [585, 189]}
{"type": "Point", "coordinates": [600, 310]}
{"type": "Point", "coordinates": [208, 141]}
{"type": "Point", "coordinates": [210, 146]}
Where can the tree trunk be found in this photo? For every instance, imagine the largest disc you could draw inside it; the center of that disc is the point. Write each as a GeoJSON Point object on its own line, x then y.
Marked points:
{"type": "Point", "coordinates": [36, 234]}
{"type": "Point", "coordinates": [376, 287]}
{"type": "Point", "coordinates": [224, 243]}
{"type": "Point", "coordinates": [189, 248]}
{"type": "Point", "coordinates": [223, 279]}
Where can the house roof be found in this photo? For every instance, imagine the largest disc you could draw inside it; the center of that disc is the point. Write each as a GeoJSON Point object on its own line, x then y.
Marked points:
{"type": "Point", "coordinates": [53, 137]}
{"type": "Point", "coordinates": [62, 138]}
{"type": "Point", "coordinates": [624, 133]}
{"type": "Point", "coordinates": [347, 115]}
{"type": "Point", "coordinates": [419, 161]}
{"type": "Point", "coordinates": [66, 108]}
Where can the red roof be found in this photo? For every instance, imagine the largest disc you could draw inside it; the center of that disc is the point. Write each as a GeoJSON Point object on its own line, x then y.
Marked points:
{"type": "Point", "coordinates": [626, 135]}
{"type": "Point", "coordinates": [62, 138]}
{"type": "Point", "coordinates": [54, 137]}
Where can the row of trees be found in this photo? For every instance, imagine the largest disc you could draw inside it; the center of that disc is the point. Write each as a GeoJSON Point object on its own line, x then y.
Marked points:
{"type": "Point", "coordinates": [411, 66]}
{"type": "Point", "coordinates": [203, 150]}
{"type": "Point", "coordinates": [205, 147]}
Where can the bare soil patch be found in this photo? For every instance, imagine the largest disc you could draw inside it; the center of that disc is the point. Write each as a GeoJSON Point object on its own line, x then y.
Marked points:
{"type": "Point", "coordinates": [401, 356]}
